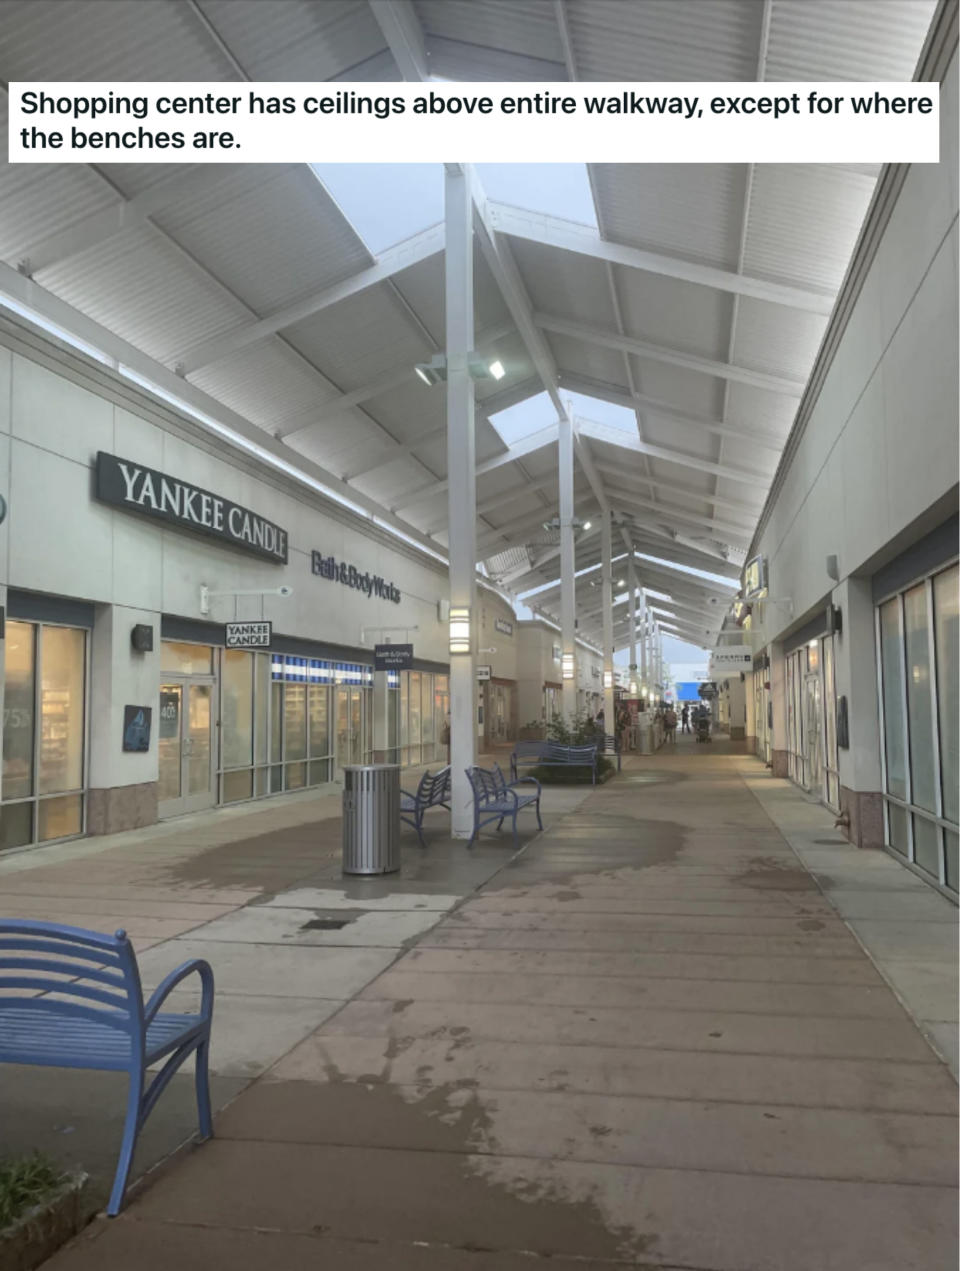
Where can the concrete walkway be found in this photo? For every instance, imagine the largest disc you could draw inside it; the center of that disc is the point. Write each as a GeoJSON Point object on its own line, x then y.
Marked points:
{"type": "Point", "coordinates": [648, 1040]}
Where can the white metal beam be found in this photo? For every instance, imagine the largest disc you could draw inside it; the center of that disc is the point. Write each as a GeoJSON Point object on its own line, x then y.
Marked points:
{"type": "Point", "coordinates": [785, 385]}
{"type": "Point", "coordinates": [536, 441]}
{"type": "Point", "coordinates": [395, 259]}
{"type": "Point", "coordinates": [613, 437]}
{"type": "Point", "coordinates": [96, 228]}
{"type": "Point", "coordinates": [401, 29]}
{"type": "Point", "coordinates": [552, 231]}
{"type": "Point", "coordinates": [662, 410]}
{"type": "Point", "coordinates": [749, 511]}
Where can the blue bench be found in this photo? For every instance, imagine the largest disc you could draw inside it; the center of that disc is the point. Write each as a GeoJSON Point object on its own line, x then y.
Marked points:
{"type": "Point", "coordinates": [550, 754]}
{"type": "Point", "coordinates": [432, 792]}
{"type": "Point", "coordinates": [98, 1018]}
{"type": "Point", "coordinates": [495, 798]}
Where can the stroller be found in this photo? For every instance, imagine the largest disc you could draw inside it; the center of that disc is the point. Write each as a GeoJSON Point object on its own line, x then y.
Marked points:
{"type": "Point", "coordinates": [702, 727]}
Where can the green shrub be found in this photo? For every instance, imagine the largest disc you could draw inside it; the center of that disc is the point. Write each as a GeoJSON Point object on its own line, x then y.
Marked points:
{"type": "Point", "coordinates": [573, 774]}
{"type": "Point", "coordinates": [25, 1181]}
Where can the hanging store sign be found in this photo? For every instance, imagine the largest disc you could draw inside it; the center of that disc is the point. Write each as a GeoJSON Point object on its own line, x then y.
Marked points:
{"type": "Point", "coordinates": [504, 627]}
{"type": "Point", "coordinates": [707, 689]}
{"type": "Point", "coordinates": [339, 571]}
{"type": "Point", "coordinates": [754, 578]}
{"type": "Point", "coordinates": [249, 635]}
{"type": "Point", "coordinates": [484, 672]}
{"type": "Point", "coordinates": [730, 660]}
{"type": "Point", "coordinates": [134, 488]}
{"type": "Point", "coordinates": [392, 657]}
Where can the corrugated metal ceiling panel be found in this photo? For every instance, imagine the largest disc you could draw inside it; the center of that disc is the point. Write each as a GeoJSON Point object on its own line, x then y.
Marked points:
{"type": "Point", "coordinates": [310, 245]}
{"type": "Point", "coordinates": [687, 391]}
{"type": "Point", "coordinates": [776, 339]}
{"type": "Point", "coordinates": [529, 28]}
{"type": "Point", "coordinates": [359, 339]}
{"type": "Point", "coordinates": [296, 39]}
{"type": "Point", "coordinates": [804, 221]}
{"type": "Point", "coordinates": [576, 357]}
{"type": "Point", "coordinates": [564, 282]}
{"type": "Point", "coordinates": [663, 40]}
{"type": "Point", "coordinates": [846, 39]}
{"type": "Point", "coordinates": [138, 285]}
{"type": "Point", "coordinates": [122, 41]}
{"type": "Point", "coordinates": [760, 410]}
{"type": "Point", "coordinates": [246, 382]}
{"type": "Point", "coordinates": [685, 209]}
{"type": "Point", "coordinates": [676, 315]}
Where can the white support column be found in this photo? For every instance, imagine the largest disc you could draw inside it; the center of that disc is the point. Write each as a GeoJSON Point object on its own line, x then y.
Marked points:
{"type": "Point", "coordinates": [632, 605]}
{"type": "Point", "coordinates": [606, 547]}
{"type": "Point", "coordinates": [382, 752]}
{"type": "Point", "coordinates": [462, 486]}
{"type": "Point", "coordinates": [568, 598]}
{"type": "Point", "coordinates": [644, 646]}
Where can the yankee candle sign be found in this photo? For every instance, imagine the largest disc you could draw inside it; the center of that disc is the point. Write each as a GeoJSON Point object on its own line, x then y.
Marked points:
{"type": "Point", "coordinates": [131, 486]}
{"type": "Point", "coordinates": [350, 576]}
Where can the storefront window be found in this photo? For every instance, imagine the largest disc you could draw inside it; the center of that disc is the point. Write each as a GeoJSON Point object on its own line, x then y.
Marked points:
{"type": "Point", "coordinates": [18, 710]}
{"type": "Point", "coordinates": [893, 694]}
{"type": "Point", "coordinates": [186, 659]}
{"type": "Point", "coordinates": [918, 655]}
{"type": "Point", "coordinates": [947, 633]}
{"type": "Point", "coordinates": [283, 724]}
{"type": "Point", "coordinates": [237, 708]}
{"type": "Point", "coordinates": [45, 683]}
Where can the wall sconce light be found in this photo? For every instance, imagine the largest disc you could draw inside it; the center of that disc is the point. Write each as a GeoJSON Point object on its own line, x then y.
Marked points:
{"type": "Point", "coordinates": [608, 679]}
{"type": "Point", "coordinates": [459, 629]}
{"type": "Point", "coordinates": [633, 688]}
{"type": "Point", "coordinates": [567, 668]}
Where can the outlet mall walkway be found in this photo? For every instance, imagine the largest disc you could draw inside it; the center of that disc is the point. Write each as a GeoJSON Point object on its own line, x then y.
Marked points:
{"type": "Point", "coordinates": [648, 1039]}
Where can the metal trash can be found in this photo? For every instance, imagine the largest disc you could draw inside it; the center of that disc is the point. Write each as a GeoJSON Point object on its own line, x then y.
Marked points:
{"type": "Point", "coordinates": [371, 818]}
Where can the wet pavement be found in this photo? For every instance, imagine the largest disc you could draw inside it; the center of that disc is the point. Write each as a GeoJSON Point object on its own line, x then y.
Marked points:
{"type": "Point", "coordinates": [649, 1039]}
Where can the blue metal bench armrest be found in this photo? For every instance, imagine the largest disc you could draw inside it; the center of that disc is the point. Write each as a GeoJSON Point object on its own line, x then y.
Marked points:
{"type": "Point", "coordinates": [196, 966]}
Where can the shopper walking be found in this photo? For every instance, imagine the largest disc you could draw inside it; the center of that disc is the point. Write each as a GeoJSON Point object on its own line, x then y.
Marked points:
{"type": "Point", "coordinates": [670, 725]}
{"type": "Point", "coordinates": [685, 719]}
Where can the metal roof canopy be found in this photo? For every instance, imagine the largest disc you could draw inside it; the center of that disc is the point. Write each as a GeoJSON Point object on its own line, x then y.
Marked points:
{"type": "Point", "coordinates": [699, 303]}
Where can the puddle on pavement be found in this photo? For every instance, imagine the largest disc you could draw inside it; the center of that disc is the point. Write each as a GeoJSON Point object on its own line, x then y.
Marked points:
{"type": "Point", "coordinates": [767, 872]}
{"type": "Point", "coordinates": [502, 1204]}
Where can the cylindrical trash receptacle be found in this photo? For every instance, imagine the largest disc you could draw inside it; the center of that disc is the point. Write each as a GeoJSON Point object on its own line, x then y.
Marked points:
{"type": "Point", "coordinates": [371, 818]}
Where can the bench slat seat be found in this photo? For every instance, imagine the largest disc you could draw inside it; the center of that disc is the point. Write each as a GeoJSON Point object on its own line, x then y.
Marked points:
{"type": "Point", "coordinates": [72, 998]}
{"type": "Point", "coordinates": [56, 1041]}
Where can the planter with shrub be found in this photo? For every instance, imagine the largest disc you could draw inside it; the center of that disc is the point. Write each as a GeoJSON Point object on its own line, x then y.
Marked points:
{"type": "Point", "coordinates": [40, 1210]}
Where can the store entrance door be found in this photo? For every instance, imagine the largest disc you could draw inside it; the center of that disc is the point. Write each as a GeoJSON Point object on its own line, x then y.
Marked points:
{"type": "Point", "coordinates": [185, 745]}
{"type": "Point", "coordinates": [813, 732]}
{"type": "Point", "coordinates": [349, 724]}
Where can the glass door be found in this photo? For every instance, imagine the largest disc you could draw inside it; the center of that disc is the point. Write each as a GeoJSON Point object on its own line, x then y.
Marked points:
{"type": "Point", "coordinates": [813, 733]}
{"type": "Point", "coordinates": [185, 747]}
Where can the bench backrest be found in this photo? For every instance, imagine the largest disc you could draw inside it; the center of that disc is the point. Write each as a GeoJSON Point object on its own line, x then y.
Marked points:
{"type": "Point", "coordinates": [486, 784]}
{"type": "Point", "coordinates": [434, 787]}
{"type": "Point", "coordinates": [572, 754]}
{"type": "Point", "coordinates": [524, 749]}
{"type": "Point", "coordinates": [72, 973]}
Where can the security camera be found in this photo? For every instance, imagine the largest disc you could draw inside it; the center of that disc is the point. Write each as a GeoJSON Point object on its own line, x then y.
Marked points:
{"type": "Point", "coordinates": [284, 590]}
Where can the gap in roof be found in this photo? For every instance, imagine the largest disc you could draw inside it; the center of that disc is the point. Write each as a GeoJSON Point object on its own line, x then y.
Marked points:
{"type": "Point", "coordinates": [529, 416]}
{"type": "Point", "coordinates": [388, 202]}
